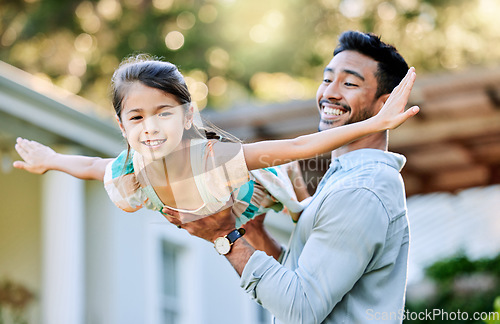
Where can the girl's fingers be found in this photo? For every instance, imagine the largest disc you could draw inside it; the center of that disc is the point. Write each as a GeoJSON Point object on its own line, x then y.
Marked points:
{"type": "Point", "coordinates": [19, 165]}
{"type": "Point", "coordinates": [409, 78]}
{"type": "Point", "coordinates": [23, 142]}
{"type": "Point", "coordinates": [20, 149]}
{"type": "Point", "coordinates": [413, 110]}
{"type": "Point", "coordinates": [409, 113]}
{"type": "Point", "coordinates": [22, 146]}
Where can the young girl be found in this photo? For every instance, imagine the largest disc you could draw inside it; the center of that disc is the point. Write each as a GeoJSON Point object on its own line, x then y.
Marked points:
{"type": "Point", "coordinates": [174, 161]}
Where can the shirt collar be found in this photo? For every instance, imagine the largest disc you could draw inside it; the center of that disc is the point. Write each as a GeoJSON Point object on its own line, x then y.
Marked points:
{"type": "Point", "coordinates": [358, 157]}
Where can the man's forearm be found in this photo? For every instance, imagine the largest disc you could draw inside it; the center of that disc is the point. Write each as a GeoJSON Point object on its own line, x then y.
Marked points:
{"type": "Point", "coordinates": [240, 253]}
{"type": "Point", "coordinates": [262, 240]}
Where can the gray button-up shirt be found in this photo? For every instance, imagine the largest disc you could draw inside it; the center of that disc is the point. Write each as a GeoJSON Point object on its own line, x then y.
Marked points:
{"type": "Point", "coordinates": [347, 257]}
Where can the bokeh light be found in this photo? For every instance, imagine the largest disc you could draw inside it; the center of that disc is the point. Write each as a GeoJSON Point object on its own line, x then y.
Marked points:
{"type": "Point", "coordinates": [352, 8]}
{"type": "Point", "coordinates": [109, 9]}
{"type": "Point", "coordinates": [174, 40]}
{"type": "Point", "coordinates": [186, 20]}
{"type": "Point", "coordinates": [207, 13]}
{"type": "Point", "coordinates": [217, 86]}
{"type": "Point", "coordinates": [218, 57]}
{"type": "Point", "coordinates": [162, 5]}
{"type": "Point", "coordinates": [84, 42]}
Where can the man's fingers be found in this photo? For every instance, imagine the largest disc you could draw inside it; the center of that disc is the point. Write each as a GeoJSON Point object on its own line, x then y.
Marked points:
{"type": "Point", "coordinates": [173, 220]}
{"type": "Point", "coordinates": [182, 218]}
{"type": "Point", "coordinates": [171, 212]}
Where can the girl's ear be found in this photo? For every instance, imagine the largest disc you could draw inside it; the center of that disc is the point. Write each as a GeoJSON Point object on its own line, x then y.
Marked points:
{"type": "Point", "coordinates": [121, 126]}
{"type": "Point", "coordinates": [189, 118]}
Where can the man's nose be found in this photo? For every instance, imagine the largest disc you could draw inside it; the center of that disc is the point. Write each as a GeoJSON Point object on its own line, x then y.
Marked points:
{"type": "Point", "coordinates": [332, 91]}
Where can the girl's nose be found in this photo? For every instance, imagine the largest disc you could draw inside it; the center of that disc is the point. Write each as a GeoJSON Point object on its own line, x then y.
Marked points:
{"type": "Point", "coordinates": [150, 126]}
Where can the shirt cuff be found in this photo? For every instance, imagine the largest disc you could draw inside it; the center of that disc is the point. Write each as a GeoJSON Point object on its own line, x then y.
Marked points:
{"type": "Point", "coordinates": [258, 264]}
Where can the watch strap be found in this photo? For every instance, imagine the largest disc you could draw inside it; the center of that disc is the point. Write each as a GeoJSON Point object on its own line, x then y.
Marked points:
{"type": "Point", "coordinates": [234, 235]}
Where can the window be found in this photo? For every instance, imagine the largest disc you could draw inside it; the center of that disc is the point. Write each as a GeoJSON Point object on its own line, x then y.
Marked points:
{"type": "Point", "coordinates": [169, 302]}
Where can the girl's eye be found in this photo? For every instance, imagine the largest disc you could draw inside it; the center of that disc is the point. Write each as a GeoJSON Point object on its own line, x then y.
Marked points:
{"type": "Point", "coordinates": [327, 80]}
{"type": "Point", "coordinates": [165, 114]}
{"type": "Point", "coordinates": [134, 118]}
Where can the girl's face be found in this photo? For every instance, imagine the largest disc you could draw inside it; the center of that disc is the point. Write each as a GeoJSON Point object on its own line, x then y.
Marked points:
{"type": "Point", "coordinates": [153, 121]}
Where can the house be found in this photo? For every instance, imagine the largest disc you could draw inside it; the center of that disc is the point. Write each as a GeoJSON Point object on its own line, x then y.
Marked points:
{"type": "Point", "coordinates": [89, 262]}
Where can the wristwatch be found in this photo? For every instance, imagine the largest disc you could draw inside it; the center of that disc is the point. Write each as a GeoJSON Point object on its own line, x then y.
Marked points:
{"type": "Point", "coordinates": [223, 244]}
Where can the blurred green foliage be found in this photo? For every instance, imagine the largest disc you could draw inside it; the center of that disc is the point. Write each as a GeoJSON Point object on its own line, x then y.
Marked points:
{"type": "Point", "coordinates": [463, 285]}
{"type": "Point", "coordinates": [236, 51]}
{"type": "Point", "coordinates": [496, 308]}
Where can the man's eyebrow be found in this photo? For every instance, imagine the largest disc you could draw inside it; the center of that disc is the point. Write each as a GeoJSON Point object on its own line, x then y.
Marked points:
{"type": "Point", "coordinates": [352, 72]}
{"type": "Point", "coordinates": [356, 74]}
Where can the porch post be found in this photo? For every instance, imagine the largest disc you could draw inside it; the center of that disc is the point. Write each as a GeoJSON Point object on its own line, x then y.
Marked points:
{"type": "Point", "coordinates": [62, 296]}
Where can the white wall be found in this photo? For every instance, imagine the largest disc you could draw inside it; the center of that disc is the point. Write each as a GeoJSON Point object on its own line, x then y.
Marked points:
{"type": "Point", "coordinates": [443, 224]}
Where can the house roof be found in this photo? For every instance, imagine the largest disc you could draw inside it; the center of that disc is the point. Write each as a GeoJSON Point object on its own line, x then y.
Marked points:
{"type": "Point", "coordinates": [452, 144]}
{"type": "Point", "coordinates": [35, 109]}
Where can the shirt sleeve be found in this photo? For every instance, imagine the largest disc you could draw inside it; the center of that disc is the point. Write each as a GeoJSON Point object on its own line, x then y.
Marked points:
{"type": "Point", "coordinates": [349, 229]}
{"type": "Point", "coordinates": [121, 183]}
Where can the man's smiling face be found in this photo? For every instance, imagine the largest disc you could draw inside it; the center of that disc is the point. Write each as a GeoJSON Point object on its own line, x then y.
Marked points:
{"type": "Point", "coordinates": [347, 93]}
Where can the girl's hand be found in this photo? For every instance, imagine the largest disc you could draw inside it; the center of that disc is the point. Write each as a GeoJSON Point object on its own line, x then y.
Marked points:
{"type": "Point", "coordinates": [392, 113]}
{"type": "Point", "coordinates": [36, 156]}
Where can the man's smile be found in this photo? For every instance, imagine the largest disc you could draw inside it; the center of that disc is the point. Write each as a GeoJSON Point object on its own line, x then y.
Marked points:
{"type": "Point", "coordinates": [332, 111]}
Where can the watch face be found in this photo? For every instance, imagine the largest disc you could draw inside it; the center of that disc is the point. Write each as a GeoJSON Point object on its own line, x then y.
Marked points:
{"type": "Point", "coordinates": [222, 245]}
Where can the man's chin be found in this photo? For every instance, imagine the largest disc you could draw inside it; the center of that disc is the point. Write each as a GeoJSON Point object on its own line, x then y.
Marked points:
{"type": "Point", "coordinates": [327, 124]}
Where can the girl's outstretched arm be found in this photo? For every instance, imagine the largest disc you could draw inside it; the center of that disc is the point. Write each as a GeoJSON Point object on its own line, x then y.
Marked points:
{"type": "Point", "coordinates": [268, 153]}
{"type": "Point", "coordinates": [39, 159]}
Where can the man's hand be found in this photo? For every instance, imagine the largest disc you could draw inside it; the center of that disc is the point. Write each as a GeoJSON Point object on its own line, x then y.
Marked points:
{"type": "Point", "coordinates": [258, 237]}
{"type": "Point", "coordinates": [208, 228]}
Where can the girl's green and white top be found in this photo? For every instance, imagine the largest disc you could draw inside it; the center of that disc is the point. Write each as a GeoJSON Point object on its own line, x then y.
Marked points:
{"type": "Point", "coordinates": [221, 177]}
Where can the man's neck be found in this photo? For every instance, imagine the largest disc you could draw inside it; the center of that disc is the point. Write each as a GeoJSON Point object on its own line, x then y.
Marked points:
{"type": "Point", "coordinates": [377, 141]}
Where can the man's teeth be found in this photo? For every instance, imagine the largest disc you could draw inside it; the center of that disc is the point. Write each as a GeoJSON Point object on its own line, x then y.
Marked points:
{"type": "Point", "coordinates": [333, 111]}
{"type": "Point", "coordinates": [154, 142]}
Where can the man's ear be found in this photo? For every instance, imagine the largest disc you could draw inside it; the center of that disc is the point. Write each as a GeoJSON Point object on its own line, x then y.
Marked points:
{"type": "Point", "coordinates": [381, 101]}
{"type": "Point", "coordinates": [121, 126]}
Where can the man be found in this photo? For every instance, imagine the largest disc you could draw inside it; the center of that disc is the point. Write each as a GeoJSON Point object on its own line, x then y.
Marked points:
{"type": "Point", "coordinates": [347, 258]}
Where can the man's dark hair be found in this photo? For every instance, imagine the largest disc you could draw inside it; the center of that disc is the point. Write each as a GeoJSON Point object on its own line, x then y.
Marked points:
{"type": "Point", "coordinates": [392, 66]}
